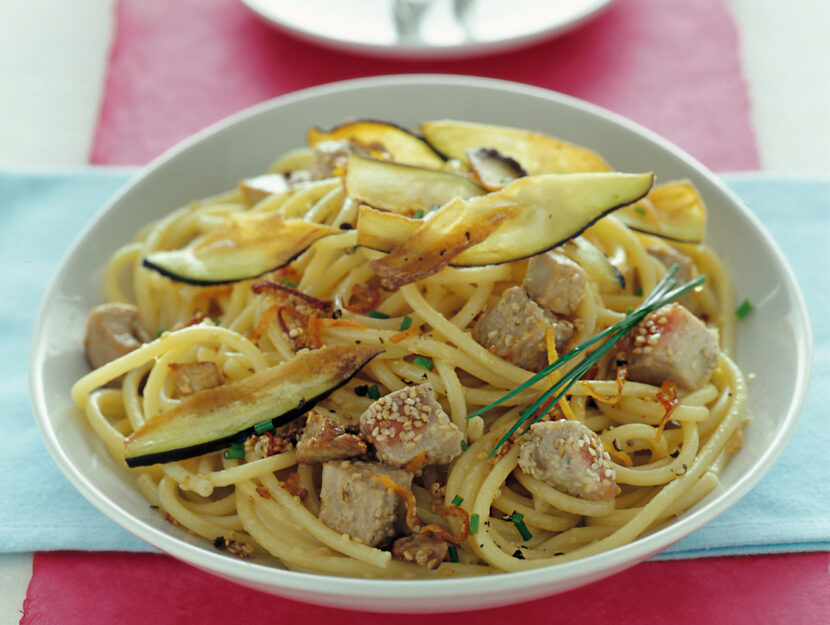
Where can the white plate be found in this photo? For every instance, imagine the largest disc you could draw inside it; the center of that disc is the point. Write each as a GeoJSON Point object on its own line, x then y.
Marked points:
{"type": "Point", "coordinates": [245, 144]}
{"type": "Point", "coordinates": [369, 26]}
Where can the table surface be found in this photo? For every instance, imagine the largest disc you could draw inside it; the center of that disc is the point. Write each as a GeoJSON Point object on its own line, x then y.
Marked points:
{"type": "Point", "coordinates": [56, 55]}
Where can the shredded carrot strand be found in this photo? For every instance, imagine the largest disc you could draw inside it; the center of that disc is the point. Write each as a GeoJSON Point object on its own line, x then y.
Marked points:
{"type": "Point", "coordinates": [624, 457]}
{"type": "Point", "coordinates": [404, 493]}
{"type": "Point", "coordinates": [406, 334]}
{"type": "Point", "coordinates": [667, 396]}
{"type": "Point", "coordinates": [370, 296]}
{"type": "Point", "coordinates": [325, 322]}
{"type": "Point", "coordinates": [550, 341]}
{"type": "Point", "coordinates": [314, 330]}
{"type": "Point", "coordinates": [262, 326]}
{"type": "Point", "coordinates": [416, 463]}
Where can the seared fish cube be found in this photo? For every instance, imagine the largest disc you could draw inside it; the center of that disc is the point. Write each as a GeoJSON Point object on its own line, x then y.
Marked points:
{"type": "Point", "coordinates": [324, 439]}
{"type": "Point", "coordinates": [514, 329]}
{"type": "Point", "coordinates": [671, 344]}
{"type": "Point", "coordinates": [354, 502]}
{"type": "Point", "coordinates": [555, 282]}
{"type": "Point", "coordinates": [112, 330]}
{"type": "Point", "coordinates": [426, 550]}
{"type": "Point", "coordinates": [409, 422]}
{"type": "Point", "coordinates": [569, 456]}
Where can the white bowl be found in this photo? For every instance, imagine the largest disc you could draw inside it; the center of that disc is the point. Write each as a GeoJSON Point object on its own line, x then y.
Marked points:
{"type": "Point", "coordinates": [245, 144]}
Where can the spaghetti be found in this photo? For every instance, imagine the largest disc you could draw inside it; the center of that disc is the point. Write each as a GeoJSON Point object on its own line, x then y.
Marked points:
{"type": "Point", "coordinates": [267, 503]}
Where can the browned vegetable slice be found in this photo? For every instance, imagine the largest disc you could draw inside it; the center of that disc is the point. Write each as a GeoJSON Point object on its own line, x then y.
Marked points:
{"type": "Point", "coordinates": [672, 211]}
{"type": "Point", "coordinates": [494, 169]}
{"type": "Point", "coordinates": [404, 189]}
{"type": "Point", "coordinates": [245, 246]}
{"type": "Point", "coordinates": [446, 235]}
{"type": "Point", "coordinates": [384, 138]}
{"type": "Point", "coordinates": [599, 268]}
{"type": "Point", "coordinates": [540, 213]}
{"type": "Point", "coordinates": [538, 153]}
{"type": "Point", "coordinates": [259, 187]}
{"type": "Point", "coordinates": [215, 418]}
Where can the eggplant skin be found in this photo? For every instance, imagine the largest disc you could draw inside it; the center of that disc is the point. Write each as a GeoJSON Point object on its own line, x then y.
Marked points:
{"type": "Point", "coordinates": [214, 418]}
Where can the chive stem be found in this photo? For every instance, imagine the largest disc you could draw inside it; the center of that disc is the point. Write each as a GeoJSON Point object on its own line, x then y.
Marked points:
{"type": "Point", "coordinates": [664, 292]}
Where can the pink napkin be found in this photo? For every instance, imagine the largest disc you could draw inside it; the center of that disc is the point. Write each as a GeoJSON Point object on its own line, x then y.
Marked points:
{"type": "Point", "coordinates": [671, 65]}
{"type": "Point", "coordinates": [148, 588]}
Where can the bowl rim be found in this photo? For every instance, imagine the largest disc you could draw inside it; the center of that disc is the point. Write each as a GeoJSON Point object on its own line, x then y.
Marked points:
{"type": "Point", "coordinates": [280, 580]}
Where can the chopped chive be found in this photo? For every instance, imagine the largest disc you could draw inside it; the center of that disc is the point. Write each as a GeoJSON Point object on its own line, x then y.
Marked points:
{"type": "Point", "coordinates": [519, 522]}
{"type": "Point", "coordinates": [639, 210]}
{"type": "Point", "coordinates": [453, 553]}
{"type": "Point", "coordinates": [376, 314]}
{"type": "Point", "coordinates": [419, 213]}
{"type": "Point", "coordinates": [216, 320]}
{"type": "Point", "coordinates": [457, 500]}
{"type": "Point", "coordinates": [434, 208]}
{"type": "Point", "coordinates": [361, 390]}
{"type": "Point", "coordinates": [160, 332]}
{"type": "Point", "coordinates": [373, 392]}
{"type": "Point", "coordinates": [464, 446]}
{"type": "Point", "coordinates": [288, 282]}
{"type": "Point", "coordinates": [423, 361]}
{"type": "Point", "coordinates": [264, 426]}
{"type": "Point", "coordinates": [744, 309]}
{"type": "Point", "coordinates": [405, 323]}
{"type": "Point", "coordinates": [236, 450]}
{"type": "Point", "coordinates": [639, 291]}
{"type": "Point", "coordinates": [474, 524]}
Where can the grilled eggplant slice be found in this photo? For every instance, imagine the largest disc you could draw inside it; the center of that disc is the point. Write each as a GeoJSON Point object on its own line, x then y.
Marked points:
{"type": "Point", "coordinates": [213, 419]}
{"type": "Point", "coordinates": [596, 264]}
{"type": "Point", "coordinates": [538, 153]}
{"type": "Point", "coordinates": [404, 189]}
{"type": "Point", "coordinates": [369, 136]}
{"type": "Point", "coordinates": [533, 214]}
{"type": "Point", "coordinates": [673, 211]}
{"type": "Point", "coordinates": [247, 245]}
{"type": "Point", "coordinates": [494, 169]}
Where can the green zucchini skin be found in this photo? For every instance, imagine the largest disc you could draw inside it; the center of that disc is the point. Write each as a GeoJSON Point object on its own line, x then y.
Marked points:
{"type": "Point", "coordinates": [215, 418]}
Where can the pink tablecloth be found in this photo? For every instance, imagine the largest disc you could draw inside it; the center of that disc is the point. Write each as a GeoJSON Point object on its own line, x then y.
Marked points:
{"type": "Point", "coordinates": [671, 65]}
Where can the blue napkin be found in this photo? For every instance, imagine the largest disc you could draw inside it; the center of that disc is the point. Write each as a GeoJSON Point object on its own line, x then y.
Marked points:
{"type": "Point", "coordinates": [42, 212]}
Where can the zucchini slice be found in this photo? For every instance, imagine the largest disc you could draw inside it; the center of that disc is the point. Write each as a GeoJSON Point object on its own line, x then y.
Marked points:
{"type": "Point", "coordinates": [384, 138]}
{"type": "Point", "coordinates": [245, 246]}
{"type": "Point", "coordinates": [215, 418]}
{"type": "Point", "coordinates": [404, 189]}
{"type": "Point", "coordinates": [539, 213]}
{"type": "Point", "coordinates": [536, 152]}
{"type": "Point", "coordinates": [673, 211]}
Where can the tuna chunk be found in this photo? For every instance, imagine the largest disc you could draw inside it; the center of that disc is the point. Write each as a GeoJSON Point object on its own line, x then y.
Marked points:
{"type": "Point", "coordinates": [354, 502]}
{"type": "Point", "coordinates": [328, 156]}
{"type": "Point", "coordinates": [671, 344]}
{"type": "Point", "coordinates": [324, 439]}
{"type": "Point", "coordinates": [669, 256]}
{"type": "Point", "coordinates": [515, 330]}
{"type": "Point", "coordinates": [192, 377]}
{"type": "Point", "coordinates": [555, 282]}
{"type": "Point", "coordinates": [408, 423]}
{"type": "Point", "coordinates": [112, 330]}
{"type": "Point", "coordinates": [568, 456]}
{"type": "Point", "coordinates": [427, 550]}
